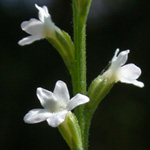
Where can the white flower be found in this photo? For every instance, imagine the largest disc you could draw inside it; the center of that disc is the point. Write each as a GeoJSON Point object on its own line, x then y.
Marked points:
{"type": "Point", "coordinates": [38, 29]}
{"type": "Point", "coordinates": [56, 105]}
{"type": "Point", "coordinates": [124, 73]}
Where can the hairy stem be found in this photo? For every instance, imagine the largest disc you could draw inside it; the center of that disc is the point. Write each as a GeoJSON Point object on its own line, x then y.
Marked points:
{"type": "Point", "coordinates": [79, 73]}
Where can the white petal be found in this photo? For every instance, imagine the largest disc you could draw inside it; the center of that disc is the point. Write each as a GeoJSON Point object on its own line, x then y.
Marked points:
{"type": "Point", "coordinates": [61, 92]}
{"type": "Point", "coordinates": [115, 55]}
{"type": "Point", "coordinates": [33, 27]}
{"type": "Point", "coordinates": [57, 118]}
{"type": "Point", "coordinates": [46, 98]}
{"type": "Point", "coordinates": [46, 10]}
{"type": "Point", "coordinates": [121, 59]}
{"type": "Point", "coordinates": [36, 116]}
{"type": "Point", "coordinates": [43, 12]}
{"type": "Point", "coordinates": [77, 100]}
{"type": "Point", "coordinates": [129, 72]}
{"type": "Point", "coordinates": [29, 40]}
{"type": "Point", "coordinates": [138, 83]}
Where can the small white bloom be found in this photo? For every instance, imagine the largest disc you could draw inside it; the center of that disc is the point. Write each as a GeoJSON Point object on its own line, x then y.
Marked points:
{"type": "Point", "coordinates": [56, 105]}
{"type": "Point", "coordinates": [124, 73]}
{"type": "Point", "coordinates": [38, 29]}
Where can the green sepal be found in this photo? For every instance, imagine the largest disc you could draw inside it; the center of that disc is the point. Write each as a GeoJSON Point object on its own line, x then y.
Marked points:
{"type": "Point", "coordinates": [98, 89]}
{"type": "Point", "coordinates": [71, 132]}
{"type": "Point", "coordinates": [64, 45]}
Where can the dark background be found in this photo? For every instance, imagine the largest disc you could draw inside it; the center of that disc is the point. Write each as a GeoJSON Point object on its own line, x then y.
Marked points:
{"type": "Point", "coordinates": [122, 120]}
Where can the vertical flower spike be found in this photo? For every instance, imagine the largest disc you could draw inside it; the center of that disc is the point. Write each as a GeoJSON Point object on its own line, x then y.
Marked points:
{"type": "Point", "coordinates": [56, 105]}
{"type": "Point", "coordinates": [124, 73]}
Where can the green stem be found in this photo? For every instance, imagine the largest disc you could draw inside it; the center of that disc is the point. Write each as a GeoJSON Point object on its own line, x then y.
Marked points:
{"type": "Point", "coordinates": [79, 83]}
{"type": "Point", "coordinates": [80, 52]}
{"type": "Point", "coordinates": [79, 73]}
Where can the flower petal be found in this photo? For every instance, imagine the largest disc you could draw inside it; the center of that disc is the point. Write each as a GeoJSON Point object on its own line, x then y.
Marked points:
{"type": "Point", "coordinates": [61, 92]}
{"type": "Point", "coordinates": [115, 55]}
{"type": "Point", "coordinates": [29, 40]}
{"type": "Point", "coordinates": [36, 116]}
{"type": "Point", "coordinates": [121, 59]}
{"type": "Point", "coordinates": [138, 83]}
{"type": "Point", "coordinates": [129, 73]}
{"type": "Point", "coordinates": [43, 12]}
{"type": "Point", "coordinates": [57, 118]}
{"type": "Point", "coordinates": [46, 10]}
{"type": "Point", "coordinates": [33, 27]}
{"type": "Point", "coordinates": [46, 98]}
{"type": "Point", "coordinates": [77, 100]}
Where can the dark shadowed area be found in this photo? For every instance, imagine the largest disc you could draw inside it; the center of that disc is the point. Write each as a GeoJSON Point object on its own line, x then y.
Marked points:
{"type": "Point", "coordinates": [122, 120]}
